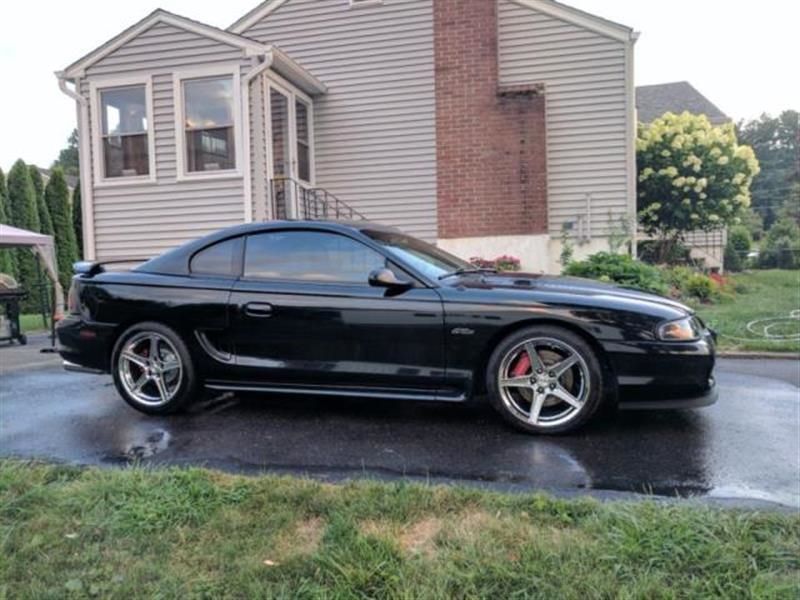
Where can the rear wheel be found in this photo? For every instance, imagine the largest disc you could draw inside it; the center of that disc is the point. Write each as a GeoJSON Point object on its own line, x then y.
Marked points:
{"type": "Point", "coordinates": [153, 370]}
{"type": "Point", "coordinates": [545, 380]}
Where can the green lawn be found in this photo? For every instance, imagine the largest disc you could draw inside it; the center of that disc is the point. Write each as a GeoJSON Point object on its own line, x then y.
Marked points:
{"type": "Point", "coordinates": [764, 300]}
{"type": "Point", "coordinates": [194, 533]}
{"type": "Point", "coordinates": [31, 323]}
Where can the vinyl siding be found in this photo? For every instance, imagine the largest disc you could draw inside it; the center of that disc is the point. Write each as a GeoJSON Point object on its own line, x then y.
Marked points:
{"type": "Point", "coordinates": [374, 132]}
{"type": "Point", "coordinates": [144, 219]}
{"type": "Point", "coordinates": [586, 95]}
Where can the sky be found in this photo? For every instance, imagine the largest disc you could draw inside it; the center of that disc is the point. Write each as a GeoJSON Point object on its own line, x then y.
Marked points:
{"type": "Point", "coordinates": [742, 55]}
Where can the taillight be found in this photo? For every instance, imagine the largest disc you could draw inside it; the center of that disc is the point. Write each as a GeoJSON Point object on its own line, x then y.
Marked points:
{"type": "Point", "coordinates": [73, 302]}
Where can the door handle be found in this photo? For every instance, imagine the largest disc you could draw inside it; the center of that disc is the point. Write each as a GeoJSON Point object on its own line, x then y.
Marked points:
{"type": "Point", "coordinates": [258, 309]}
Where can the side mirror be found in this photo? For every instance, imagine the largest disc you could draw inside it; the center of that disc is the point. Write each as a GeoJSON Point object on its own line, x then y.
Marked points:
{"type": "Point", "coordinates": [385, 278]}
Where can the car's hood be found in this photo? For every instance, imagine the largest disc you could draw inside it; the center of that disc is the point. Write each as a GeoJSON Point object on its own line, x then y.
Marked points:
{"type": "Point", "coordinates": [566, 286]}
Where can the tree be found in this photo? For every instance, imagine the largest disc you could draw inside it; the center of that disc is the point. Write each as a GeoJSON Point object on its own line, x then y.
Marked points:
{"type": "Point", "coordinates": [57, 196]}
{"type": "Point", "coordinates": [23, 214]}
{"type": "Point", "coordinates": [8, 263]}
{"type": "Point", "coordinates": [692, 176]}
{"type": "Point", "coordinates": [77, 219]}
{"type": "Point", "coordinates": [776, 142]}
{"type": "Point", "coordinates": [781, 247]}
{"type": "Point", "coordinates": [45, 222]}
{"type": "Point", "coordinates": [737, 248]}
{"type": "Point", "coordinates": [68, 158]}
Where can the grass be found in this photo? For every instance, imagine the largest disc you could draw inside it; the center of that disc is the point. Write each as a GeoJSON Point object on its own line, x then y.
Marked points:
{"type": "Point", "coordinates": [195, 533]}
{"type": "Point", "coordinates": [31, 323]}
{"type": "Point", "coordinates": [762, 299]}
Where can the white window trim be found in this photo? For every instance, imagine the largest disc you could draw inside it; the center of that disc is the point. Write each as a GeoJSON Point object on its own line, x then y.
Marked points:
{"type": "Point", "coordinates": [95, 88]}
{"type": "Point", "coordinates": [180, 134]}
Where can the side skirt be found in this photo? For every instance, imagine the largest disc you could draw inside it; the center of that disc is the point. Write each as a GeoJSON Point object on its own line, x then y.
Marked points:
{"type": "Point", "coordinates": [344, 392]}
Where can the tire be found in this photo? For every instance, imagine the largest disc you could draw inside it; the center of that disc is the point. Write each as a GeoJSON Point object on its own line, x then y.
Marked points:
{"type": "Point", "coordinates": [565, 395]}
{"type": "Point", "coordinates": [23, 339]}
{"type": "Point", "coordinates": [136, 377]}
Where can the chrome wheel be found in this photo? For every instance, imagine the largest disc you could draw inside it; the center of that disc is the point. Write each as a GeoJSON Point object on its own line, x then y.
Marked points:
{"type": "Point", "coordinates": [150, 369]}
{"type": "Point", "coordinates": [544, 382]}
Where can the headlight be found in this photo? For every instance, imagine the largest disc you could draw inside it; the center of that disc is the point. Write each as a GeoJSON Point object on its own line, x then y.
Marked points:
{"type": "Point", "coordinates": [682, 330]}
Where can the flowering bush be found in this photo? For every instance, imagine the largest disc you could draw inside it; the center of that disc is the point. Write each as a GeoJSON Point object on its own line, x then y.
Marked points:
{"type": "Point", "coordinates": [692, 175]}
{"type": "Point", "coordinates": [501, 263]}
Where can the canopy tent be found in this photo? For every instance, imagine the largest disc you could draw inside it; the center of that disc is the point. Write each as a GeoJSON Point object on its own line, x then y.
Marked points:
{"type": "Point", "coordinates": [44, 247]}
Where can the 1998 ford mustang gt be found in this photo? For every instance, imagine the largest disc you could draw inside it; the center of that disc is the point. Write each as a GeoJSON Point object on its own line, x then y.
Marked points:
{"type": "Point", "coordinates": [358, 309]}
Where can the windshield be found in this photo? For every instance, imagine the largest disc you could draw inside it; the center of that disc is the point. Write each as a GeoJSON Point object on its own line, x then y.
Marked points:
{"type": "Point", "coordinates": [425, 258]}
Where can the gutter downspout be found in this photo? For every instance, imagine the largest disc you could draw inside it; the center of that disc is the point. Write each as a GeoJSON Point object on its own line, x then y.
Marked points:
{"type": "Point", "coordinates": [631, 119]}
{"type": "Point", "coordinates": [87, 193]}
{"type": "Point", "coordinates": [260, 64]}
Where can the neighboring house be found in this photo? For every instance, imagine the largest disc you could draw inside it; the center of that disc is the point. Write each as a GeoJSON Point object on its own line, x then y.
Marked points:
{"type": "Point", "coordinates": [652, 101]}
{"type": "Point", "coordinates": [486, 126]}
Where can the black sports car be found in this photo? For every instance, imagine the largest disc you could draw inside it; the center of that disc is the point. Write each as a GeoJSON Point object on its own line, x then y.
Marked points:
{"type": "Point", "coordinates": [359, 309]}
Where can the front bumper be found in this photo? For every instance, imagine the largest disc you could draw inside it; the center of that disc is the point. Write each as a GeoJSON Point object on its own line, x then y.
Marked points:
{"type": "Point", "coordinates": [696, 400]}
{"type": "Point", "coordinates": [663, 375]}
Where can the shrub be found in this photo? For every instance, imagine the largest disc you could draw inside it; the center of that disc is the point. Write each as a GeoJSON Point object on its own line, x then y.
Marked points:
{"type": "Point", "coordinates": [57, 197]}
{"type": "Point", "coordinates": [23, 214]}
{"type": "Point", "coordinates": [700, 286]}
{"type": "Point", "coordinates": [507, 263]}
{"type": "Point", "coordinates": [782, 246]}
{"type": "Point", "coordinates": [621, 269]}
{"type": "Point", "coordinates": [737, 247]}
{"type": "Point", "coordinates": [650, 251]}
{"type": "Point", "coordinates": [501, 263]}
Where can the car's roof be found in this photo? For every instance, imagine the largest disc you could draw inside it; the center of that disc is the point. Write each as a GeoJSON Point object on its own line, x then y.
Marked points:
{"type": "Point", "coordinates": [176, 261]}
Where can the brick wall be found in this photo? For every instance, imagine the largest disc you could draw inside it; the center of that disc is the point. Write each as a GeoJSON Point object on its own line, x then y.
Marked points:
{"type": "Point", "coordinates": [490, 142]}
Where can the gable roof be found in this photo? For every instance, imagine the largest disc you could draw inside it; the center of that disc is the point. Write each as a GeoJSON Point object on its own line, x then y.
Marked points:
{"type": "Point", "coordinates": [652, 101]}
{"type": "Point", "coordinates": [550, 7]}
{"type": "Point", "coordinates": [249, 46]}
{"type": "Point", "coordinates": [254, 15]}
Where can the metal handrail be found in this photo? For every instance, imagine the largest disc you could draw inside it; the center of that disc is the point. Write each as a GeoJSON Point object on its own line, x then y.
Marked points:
{"type": "Point", "coordinates": [313, 203]}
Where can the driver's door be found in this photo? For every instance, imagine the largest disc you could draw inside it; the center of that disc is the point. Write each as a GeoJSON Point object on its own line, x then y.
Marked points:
{"type": "Point", "coordinates": [304, 314]}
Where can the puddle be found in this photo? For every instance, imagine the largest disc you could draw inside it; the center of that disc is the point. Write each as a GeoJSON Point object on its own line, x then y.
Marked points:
{"type": "Point", "coordinates": [155, 442]}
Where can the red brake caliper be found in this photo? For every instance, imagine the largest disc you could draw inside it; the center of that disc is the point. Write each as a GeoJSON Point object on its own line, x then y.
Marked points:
{"type": "Point", "coordinates": [522, 366]}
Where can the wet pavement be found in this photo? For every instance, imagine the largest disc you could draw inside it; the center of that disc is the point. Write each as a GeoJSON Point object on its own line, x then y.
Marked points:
{"type": "Point", "coordinates": [746, 447]}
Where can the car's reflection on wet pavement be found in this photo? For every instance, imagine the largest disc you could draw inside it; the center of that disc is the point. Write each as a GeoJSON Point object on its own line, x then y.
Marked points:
{"type": "Point", "coordinates": [745, 446]}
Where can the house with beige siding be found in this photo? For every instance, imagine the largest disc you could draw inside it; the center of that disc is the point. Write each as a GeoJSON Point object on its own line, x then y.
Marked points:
{"type": "Point", "coordinates": [487, 126]}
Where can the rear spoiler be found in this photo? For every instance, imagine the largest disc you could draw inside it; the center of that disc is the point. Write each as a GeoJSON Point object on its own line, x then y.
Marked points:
{"type": "Point", "coordinates": [89, 268]}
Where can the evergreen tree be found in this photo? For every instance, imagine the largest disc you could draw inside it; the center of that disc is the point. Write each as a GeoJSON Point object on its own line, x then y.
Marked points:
{"type": "Point", "coordinates": [23, 214]}
{"type": "Point", "coordinates": [45, 222]}
{"type": "Point", "coordinates": [77, 218]}
{"type": "Point", "coordinates": [57, 196]}
{"type": "Point", "coordinates": [7, 259]}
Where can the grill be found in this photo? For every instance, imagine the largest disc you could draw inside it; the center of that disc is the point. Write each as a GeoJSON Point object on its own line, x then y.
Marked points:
{"type": "Point", "coordinates": [10, 297]}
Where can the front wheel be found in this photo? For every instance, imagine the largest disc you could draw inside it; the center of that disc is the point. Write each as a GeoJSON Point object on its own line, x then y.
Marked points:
{"type": "Point", "coordinates": [153, 370]}
{"type": "Point", "coordinates": [545, 380]}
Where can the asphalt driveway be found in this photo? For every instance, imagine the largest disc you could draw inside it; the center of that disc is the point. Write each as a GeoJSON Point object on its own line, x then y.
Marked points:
{"type": "Point", "coordinates": [746, 447]}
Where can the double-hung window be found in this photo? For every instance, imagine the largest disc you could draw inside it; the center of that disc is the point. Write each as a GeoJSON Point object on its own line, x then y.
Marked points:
{"type": "Point", "coordinates": [123, 121]}
{"type": "Point", "coordinates": [209, 124]}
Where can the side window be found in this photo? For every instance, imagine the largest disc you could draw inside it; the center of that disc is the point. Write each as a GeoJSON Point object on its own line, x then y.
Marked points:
{"type": "Point", "coordinates": [221, 259]}
{"type": "Point", "coordinates": [309, 256]}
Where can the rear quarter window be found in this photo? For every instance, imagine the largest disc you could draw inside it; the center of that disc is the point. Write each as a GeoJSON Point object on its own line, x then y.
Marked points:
{"type": "Point", "coordinates": [222, 259]}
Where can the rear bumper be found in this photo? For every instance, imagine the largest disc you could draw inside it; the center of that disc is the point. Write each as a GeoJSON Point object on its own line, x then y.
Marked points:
{"type": "Point", "coordinates": [85, 345]}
